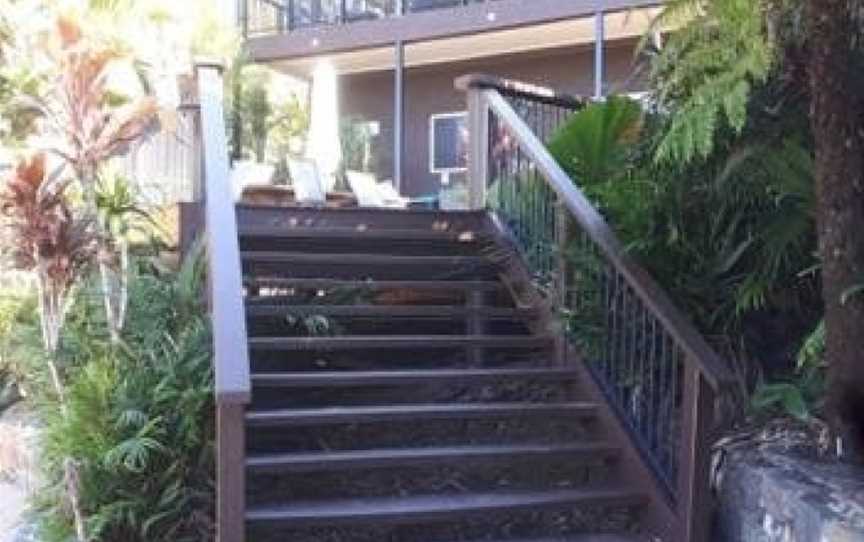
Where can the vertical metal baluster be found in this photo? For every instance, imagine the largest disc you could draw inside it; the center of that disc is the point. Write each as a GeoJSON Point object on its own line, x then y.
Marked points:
{"type": "Point", "coordinates": [619, 350]}
{"type": "Point", "coordinates": [661, 436]}
{"type": "Point", "coordinates": [643, 376]}
{"type": "Point", "coordinates": [652, 420]}
{"type": "Point", "coordinates": [609, 368]}
{"type": "Point", "coordinates": [635, 303]}
{"type": "Point", "coordinates": [626, 337]}
{"type": "Point", "coordinates": [674, 414]}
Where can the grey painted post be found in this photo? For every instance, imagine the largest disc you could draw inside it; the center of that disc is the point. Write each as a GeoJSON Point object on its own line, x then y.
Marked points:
{"type": "Point", "coordinates": [478, 148]}
{"type": "Point", "coordinates": [398, 112]}
{"type": "Point", "coordinates": [599, 55]}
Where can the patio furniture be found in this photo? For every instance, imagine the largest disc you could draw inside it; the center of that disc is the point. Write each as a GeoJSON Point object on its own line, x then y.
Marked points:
{"type": "Point", "coordinates": [246, 173]}
{"type": "Point", "coordinates": [391, 196]}
{"type": "Point", "coordinates": [370, 193]}
{"type": "Point", "coordinates": [283, 196]}
{"type": "Point", "coordinates": [306, 181]}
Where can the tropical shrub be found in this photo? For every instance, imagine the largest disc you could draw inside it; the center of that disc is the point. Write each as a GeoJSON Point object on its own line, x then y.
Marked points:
{"type": "Point", "coordinates": [731, 237]}
{"type": "Point", "coordinates": [140, 416]}
{"type": "Point", "coordinates": [801, 396]}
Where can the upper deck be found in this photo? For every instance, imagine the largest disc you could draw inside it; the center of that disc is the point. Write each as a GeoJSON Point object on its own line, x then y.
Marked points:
{"type": "Point", "coordinates": [280, 30]}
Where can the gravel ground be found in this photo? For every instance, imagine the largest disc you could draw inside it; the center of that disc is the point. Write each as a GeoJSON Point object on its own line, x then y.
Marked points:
{"type": "Point", "coordinates": [12, 505]}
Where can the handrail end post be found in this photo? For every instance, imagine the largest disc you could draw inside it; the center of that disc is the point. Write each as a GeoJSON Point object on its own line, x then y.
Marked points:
{"type": "Point", "coordinates": [478, 148]}
{"type": "Point", "coordinates": [230, 472]}
{"type": "Point", "coordinates": [694, 470]}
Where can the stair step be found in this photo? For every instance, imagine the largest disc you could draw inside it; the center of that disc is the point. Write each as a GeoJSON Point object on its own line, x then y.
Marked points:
{"type": "Point", "coordinates": [398, 342]}
{"type": "Point", "coordinates": [392, 311]}
{"type": "Point", "coordinates": [581, 538]}
{"type": "Point", "coordinates": [401, 510]}
{"type": "Point", "coordinates": [358, 233]}
{"type": "Point", "coordinates": [392, 413]}
{"type": "Point", "coordinates": [384, 260]}
{"type": "Point", "coordinates": [402, 457]}
{"type": "Point", "coordinates": [337, 284]}
{"type": "Point", "coordinates": [401, 378]}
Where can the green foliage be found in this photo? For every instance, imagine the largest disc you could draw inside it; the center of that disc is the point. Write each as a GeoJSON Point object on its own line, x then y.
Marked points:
{"type": "Point", "coordinates": [731, 237]}
{"type": "Point", "coordinates": [601, 148]}
{"type": "Point", "coordinates": [15, 310]}
{"type": "Point", "coordinates": [140, 416]}
{"type": "Point", "coordinates": [802, 396]}
{"type": "Point", "coordinates": [595, 143]}
{"type": "Point", "coordinates": [706, 71]}
{"type": "Point", "coordinates": [357, 144]}
{"type": "Point", "coordinates": [269, 126]}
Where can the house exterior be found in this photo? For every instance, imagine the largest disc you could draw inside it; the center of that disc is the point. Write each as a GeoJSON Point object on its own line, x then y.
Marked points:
{"type": "Point", "coordinates": [396, 61]}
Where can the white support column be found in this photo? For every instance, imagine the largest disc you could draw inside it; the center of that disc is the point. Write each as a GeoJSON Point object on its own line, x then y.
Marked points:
{"type": "Point", "coordinates": [599, 55]}
{"type": "Point", "coordinates": [398, 113]}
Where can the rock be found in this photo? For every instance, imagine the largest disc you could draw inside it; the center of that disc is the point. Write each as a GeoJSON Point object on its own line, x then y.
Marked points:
{"type": "Point", "coordinates": [769, 492]}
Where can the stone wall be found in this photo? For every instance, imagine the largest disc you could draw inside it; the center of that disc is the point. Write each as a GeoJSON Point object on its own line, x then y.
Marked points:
{"type": "Point", "coordinates": [770, 492]}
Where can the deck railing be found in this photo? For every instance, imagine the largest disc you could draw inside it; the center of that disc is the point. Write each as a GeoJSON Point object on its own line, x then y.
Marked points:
{"type": "Point", "coordinates": [656, 371]}
{"type": "Point", "coordinates": [230, 348]}
{"type": "Point", "coordinates": [262, 17]}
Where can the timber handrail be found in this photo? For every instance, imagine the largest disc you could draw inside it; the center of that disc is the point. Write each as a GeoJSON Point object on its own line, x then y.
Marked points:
{"type": "Point", "coordinates": [227, 313]}
{"type": "Point", "coordinates": [514, 87]}
{"type": "Point", "coordinates": [593, 223]}
{"type": "Point", "coordinates": [231, 355]}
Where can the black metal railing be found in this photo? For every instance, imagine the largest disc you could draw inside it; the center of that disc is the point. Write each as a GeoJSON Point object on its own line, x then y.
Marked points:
{"type": "Point", "coordinates": [636, 362]}
{"type": "Point", "coordinates": [264, 17]}
{"type": "Point", "coordinates": [656, 371]}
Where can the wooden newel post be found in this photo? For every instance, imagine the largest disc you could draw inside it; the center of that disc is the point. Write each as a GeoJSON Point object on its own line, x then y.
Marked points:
{"type": "Point", "coordinates": [695, 502]}
{"type": "Point", "coordinates": [230, 344]}
{"type": "Point", "coordinates": [478, 148]}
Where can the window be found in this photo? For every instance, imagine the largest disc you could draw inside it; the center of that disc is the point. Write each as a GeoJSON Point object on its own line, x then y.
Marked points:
{"type": "Point", "coordinates": [448, 141]}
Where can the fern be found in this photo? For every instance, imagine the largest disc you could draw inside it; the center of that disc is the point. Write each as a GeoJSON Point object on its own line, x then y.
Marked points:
{"type": "Point", "coordinates": [706, 72]}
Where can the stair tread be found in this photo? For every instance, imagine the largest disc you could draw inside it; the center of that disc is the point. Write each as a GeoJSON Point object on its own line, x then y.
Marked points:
{"type": "Point", "coordinates": [328, 258]}
{"type": "Point", "coordinates": [306, 461]}
{"type": "Point", "coordinates": [368, 378]}
{"type": "Point", "coordinates": [397, 341]}
{"type": "Point", "coordinates": [350, 414]}
{"type": "Point", "coordinates": [410, 509]}
{"type": "Point", "coordinates": [328, 284]}
{"type": "Point", "coordinates": [384, 311]}
{"type": "Point", "coordinates": [581, 538]}
{"type": "Point", "coordinates": [360, 233]}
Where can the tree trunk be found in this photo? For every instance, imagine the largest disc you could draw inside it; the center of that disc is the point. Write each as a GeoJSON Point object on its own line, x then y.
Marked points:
{"type": "Point", "coordinates": [836, 115]}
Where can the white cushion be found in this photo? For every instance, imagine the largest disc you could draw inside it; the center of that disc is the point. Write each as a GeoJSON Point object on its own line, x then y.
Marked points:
{"type": "Point", "coordinates": [306, 181]}
{"type": "Point", "coordinates": [248, 173]}
{"type": "Point", "coordinates": [365, 188]}
{"type": "Point", "coordinates": [390, 195]}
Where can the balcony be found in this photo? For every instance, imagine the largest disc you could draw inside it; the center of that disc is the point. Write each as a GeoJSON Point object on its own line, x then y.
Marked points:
{"type": "Point", "coordinates": [268, 17]}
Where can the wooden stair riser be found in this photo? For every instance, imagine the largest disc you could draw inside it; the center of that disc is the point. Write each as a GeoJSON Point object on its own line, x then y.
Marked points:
{"type": "Point", "coordinates": [461, 478]}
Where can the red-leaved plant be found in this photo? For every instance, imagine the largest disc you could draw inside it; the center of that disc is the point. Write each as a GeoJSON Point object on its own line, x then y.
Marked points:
{"type": "Point", "coordinates": [43, 236]}
{"type": "Point", "coordinates": [90, 125]}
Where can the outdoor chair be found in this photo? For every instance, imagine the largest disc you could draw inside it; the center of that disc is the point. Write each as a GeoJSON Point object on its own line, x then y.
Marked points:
{"type": "Point", "coordinates": [307, 182]}
{"type": "Point", "coordinates": [369, 191]}
{"type": "Point", "coordinates": [248, 174]}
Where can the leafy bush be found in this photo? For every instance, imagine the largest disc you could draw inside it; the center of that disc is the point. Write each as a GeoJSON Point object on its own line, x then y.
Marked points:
{"type": "Point", "coordinates": [802, 396]}
{"type": "Point", "coordinates": [140, 416]}
{"type": "Point", "coordinates": [14, 310]}
{"type": "Point", "coordinates": [732, 237]}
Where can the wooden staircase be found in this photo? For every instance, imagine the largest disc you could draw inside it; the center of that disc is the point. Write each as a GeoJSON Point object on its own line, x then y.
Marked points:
{"type": "Point", "coordinates": [426, 405]}
{"type": "Point", "coordinates": [507, 374]}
